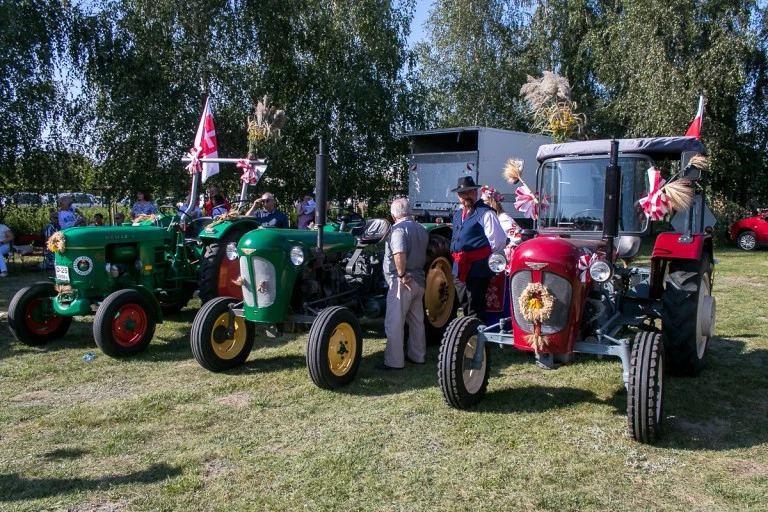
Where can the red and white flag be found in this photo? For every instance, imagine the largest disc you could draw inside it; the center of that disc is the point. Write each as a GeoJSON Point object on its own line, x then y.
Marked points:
{"type": "Point", "coordinates": [205, 140]}
{"type": "Point", "coordinates": [695, 129]}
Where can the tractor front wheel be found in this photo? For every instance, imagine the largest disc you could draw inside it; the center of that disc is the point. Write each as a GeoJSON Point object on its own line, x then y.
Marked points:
{"type": "Point", "coordinates": [125, 323]}
{"type": "Point", "coordinates": [31, 317]}
{"type": "Point", "coordinates": [462, 385]}
{"type": "Point", "coordinates": [688, 316]}
{"type": "Point", "coordinates": [334, 348]}
{"type": "Point", "coordinates": [645, 397]}
{"type": "Point", "coordinates": [214, 348]}
{"type": "Point", "coordinates": [746, 240]}
{"type": "Point", "coordinates": [440, 301]}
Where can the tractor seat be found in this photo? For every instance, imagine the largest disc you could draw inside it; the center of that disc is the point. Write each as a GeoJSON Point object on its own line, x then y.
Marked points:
{"type": "Point", "coordinates": [373, 231]}
{"type": "Point", "coordinates": [195, 227]}
{"type": "Point", "coordinates": [627, 246]}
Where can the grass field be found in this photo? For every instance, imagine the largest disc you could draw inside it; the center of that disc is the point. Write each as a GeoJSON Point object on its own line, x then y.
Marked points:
{"type": "Point", "coordinates": [157, 432]}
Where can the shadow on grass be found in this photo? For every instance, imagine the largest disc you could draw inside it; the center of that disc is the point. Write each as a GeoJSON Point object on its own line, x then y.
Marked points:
{"type": "Point", "coordinates": [724, 407]}
{"type": "Point", "coordinates": [534, 399]}
{"type": "Point", "coordinates": [15, 488]}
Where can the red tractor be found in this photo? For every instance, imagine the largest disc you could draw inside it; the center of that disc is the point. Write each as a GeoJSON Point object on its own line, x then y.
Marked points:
{"type": "Point", "coordinates": [572, 288]}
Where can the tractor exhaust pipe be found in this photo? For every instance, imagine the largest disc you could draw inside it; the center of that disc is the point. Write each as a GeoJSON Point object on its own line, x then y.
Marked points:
{"type": "Point", "coordinates": [612, 200]}
{"type": "Point", "coordinates": [321, 184]}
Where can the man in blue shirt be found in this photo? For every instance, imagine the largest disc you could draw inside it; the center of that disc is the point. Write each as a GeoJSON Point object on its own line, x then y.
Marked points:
{"type": "Point", "coordinates": [269, 215]}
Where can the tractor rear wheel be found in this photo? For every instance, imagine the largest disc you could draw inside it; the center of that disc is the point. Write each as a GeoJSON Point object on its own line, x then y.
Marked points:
{"type": "Point", "coordinates": [214, 349]}
{"type": "Point", "coordinates": [462, 385]}
{"type": "Point", "coordinates": [645, 396]}
{"type": "Point", "coordinates": [217, 272]}
{"type": "Point", "coordinates": [440, 301]}
{"type": "Point", "coordinates": [334, 348]}
{"type": "Point", "coordinates": [746, 240]}
{"type": "Point", "coordinates": [31, 317]}
{"type": "Point", "coordinates": [125, 323]}
{"type": "Point", "coordinates": [688, 316]}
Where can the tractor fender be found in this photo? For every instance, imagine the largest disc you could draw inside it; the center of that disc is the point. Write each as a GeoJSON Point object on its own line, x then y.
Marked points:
{"type": "Point", "coordinates": [152, 300]}
{"type": "Point", "coordinates": [669, 247]}
{"type": "Point", "coordinates": [213, 232]}
{"type": "Point", "coordinates": [442, 229]}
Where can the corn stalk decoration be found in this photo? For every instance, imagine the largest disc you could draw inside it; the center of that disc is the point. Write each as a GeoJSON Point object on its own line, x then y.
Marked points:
{"type": "Point", "coordinates": [265, 125]}
{"type": "Point", "coordinates": [554, 112]}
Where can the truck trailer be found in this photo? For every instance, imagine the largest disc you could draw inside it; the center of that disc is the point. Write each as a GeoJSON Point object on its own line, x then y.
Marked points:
{"type": "Point", "coordinates": [440, 157]}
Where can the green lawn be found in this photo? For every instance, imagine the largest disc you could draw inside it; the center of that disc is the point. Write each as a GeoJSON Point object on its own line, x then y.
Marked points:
{"type": "Point", "coordinates": [157, 432]}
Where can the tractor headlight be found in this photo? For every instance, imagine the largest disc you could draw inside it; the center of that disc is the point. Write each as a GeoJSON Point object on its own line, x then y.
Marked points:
{"type": "Point", "coordinates": [232, 251]}
{"type": "Point", "coordinates": [138, 265]}
{"type": "Point", "coordinates": [297, 255]}
{"type": "Point", "coordinates": [600, 271]}
{"type": "Point", "coordinates": [497, 262]}
{"type": "Point", "coordinates": [114, 269]}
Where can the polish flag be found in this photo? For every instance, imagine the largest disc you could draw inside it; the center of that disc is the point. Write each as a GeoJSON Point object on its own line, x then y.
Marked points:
{"type": "Point", "coordinates": [206, 141]}
{"type": "Point", "coordinates": [695, 129]}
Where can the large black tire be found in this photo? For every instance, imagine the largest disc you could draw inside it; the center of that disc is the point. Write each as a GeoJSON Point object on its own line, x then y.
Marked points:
{"type": "Point", "coordinates": [746, 240]}
{"type": "Point", "coordinates": [334, 348]}
{"type": "Point", "coordinates": [31, 317]}
{"type": "Point", "coordinates": [645, 396]}
{"type": "Point", "coordinates": [687, 316]}
{"type": "Point", "coordinates": [125, 323]}
{"type": "Point", "coordinates": [217, 272]}
{"type": "Point", "coordinates": [213, 349]}
{"type": "Point", "coordinates": [440, 300]}
{"type": "Point", "coordinates": [461, 385]}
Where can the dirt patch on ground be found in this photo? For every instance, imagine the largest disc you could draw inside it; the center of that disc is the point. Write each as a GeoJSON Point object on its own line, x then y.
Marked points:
{"type": "Point", "coordinates": [99, 507]}
{"type": "Point", "coordinates": [214, 468]}
{"type": "Point", "coordinates": [235, 400]}
{"type": "Point", "coordinates": [747, 468]}
{"type": "Point", "coordinates": [34, 397]}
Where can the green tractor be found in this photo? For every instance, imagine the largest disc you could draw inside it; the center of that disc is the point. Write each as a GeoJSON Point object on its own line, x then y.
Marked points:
{"type": "Point", "coordinates": [326, 279]}
{"type": "Point", "coordinates": [130, 276]}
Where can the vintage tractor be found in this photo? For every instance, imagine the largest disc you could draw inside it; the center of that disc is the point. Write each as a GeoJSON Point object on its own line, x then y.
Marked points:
{"type": "Point", "coordinates": [573, 290]}
{"type": "Point", "coordinates": [131, 276]}
{"type": "Point", "coordinates": [326, 279]}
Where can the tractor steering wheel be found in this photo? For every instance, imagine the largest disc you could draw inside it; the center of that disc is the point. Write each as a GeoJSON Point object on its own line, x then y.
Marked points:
{"type": "Point", "coordinates": [588, 219]}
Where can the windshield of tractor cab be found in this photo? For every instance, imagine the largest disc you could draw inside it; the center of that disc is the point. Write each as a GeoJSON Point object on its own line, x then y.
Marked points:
{"type": "Point", "coordinates": [573, 193]}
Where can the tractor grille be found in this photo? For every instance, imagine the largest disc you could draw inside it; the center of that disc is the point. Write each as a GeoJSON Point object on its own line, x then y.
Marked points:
{"type": "Point", "coordinates": [247, 286]}
{"type": "Point", "coordinates": [264, 282]}
{"type": "Point", "coordinates": [558, 287]}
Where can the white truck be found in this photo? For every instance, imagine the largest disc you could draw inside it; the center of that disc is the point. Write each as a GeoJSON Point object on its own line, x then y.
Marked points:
{"type": "Point", "coordinates": [440, 157]}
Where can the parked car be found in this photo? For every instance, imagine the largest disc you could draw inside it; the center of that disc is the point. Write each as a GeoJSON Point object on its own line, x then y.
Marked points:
{"type": "Point", "coordinates": [27, 199]}
{"type": "Point", "coordinates": [750, 232]}
{"type": "Point", "coordinates": [82, 200]}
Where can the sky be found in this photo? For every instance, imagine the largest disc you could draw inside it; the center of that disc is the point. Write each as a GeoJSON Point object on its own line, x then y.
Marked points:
{"type": "Point", "coordinates": [420, 16]}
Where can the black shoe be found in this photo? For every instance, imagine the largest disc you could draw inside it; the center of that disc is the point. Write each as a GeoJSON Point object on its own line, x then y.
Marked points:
{"type": "Point", "coordinates": [385, 366]}
{"type": "Point", "coordinates": [412, 361]}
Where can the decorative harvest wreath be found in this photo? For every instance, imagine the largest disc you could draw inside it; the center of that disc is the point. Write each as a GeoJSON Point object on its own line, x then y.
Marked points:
{"type": "Point", "coordinates": [536, 304]}
{"type": "Point", "coordinates": [57, 242]}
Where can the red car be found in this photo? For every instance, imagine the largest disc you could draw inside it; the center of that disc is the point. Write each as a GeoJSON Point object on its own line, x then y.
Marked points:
{"type": "Point", "coordinates": [750, 232]}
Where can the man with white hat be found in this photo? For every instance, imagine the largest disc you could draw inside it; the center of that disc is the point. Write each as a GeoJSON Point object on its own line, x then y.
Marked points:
{"type": "Point", "coordinates": [476, 235]}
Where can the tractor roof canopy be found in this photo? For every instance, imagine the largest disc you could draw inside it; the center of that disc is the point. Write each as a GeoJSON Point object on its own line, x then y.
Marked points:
{"type": "Point", "coordinates": [658, 148]}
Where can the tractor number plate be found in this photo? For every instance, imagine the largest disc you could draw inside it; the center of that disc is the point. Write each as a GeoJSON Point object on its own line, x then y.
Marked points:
{"type": "Point", "coordinates": [62, 273]}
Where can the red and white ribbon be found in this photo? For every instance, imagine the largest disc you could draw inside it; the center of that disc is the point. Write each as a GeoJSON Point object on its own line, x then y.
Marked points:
{"type": "Point", "coordinates": [528, 202]}
{"type": "Point", "coordinates": [249, 176]}
{"type": "Point", "coordinates": [194, 166]}
{"type": "Point", "coordinates": [585, 260]}
{"type": "Point", "coordinates": [655, 204]}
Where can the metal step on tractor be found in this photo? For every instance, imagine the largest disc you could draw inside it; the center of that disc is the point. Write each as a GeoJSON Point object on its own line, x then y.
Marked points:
{"type": "Point", "coordinates": [572, 286]}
